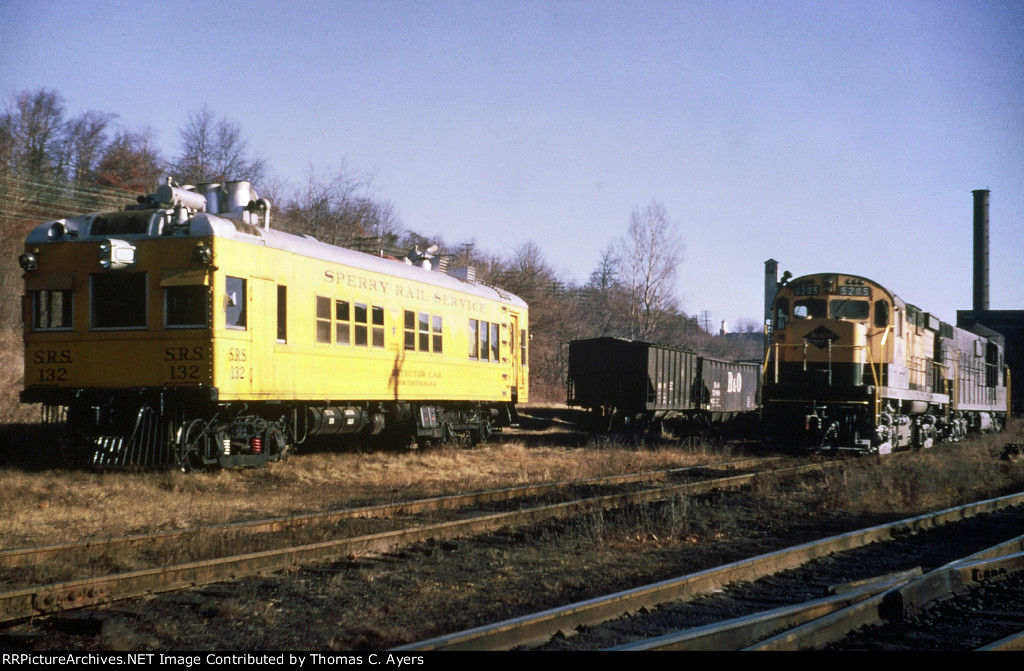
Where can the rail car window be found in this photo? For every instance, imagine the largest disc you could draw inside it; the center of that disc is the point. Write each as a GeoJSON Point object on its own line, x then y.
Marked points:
{"type": "Point", "coordinates": [282, 313]}
{"type": "Point", "coordinates": [352, 323]}
{"type": "Point", "coordinates": [474, 340]}
{"type": "Point", "coordinates": [234, 304]}
{"type": "Point", "coordinates": [118, 300]}
{"type": "Point", "coordinates": [342, 325]}
{"type": "Point", "coordinates": [844, 308]}
{"type": "Point", "coordinates": [377, 326]}
{"type": "Point", "coordinates": [359, 321]}
{"type": "Point", "coordinates": [186, 306]}
{"type": "Point", "coordinates": [51, 310]}
{"type": "Point", "coordinates": [484, 340]}
{"type": "Point", "coordinates": [423, 324]}
{"type": "Point", "coordinates": [423, 332]}
{"type": "Point", "coordinates": [323, 319]}
{"type": "Point", "coordinates": [522, 346]}
{"type": "Point", "coordinates": [808, 308]}
{"type": "Point", "coordinates": [410, 330]}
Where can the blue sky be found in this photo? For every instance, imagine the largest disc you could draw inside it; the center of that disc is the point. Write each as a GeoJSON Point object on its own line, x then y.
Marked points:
{"type": "Point", "coordinates": [831, 136]}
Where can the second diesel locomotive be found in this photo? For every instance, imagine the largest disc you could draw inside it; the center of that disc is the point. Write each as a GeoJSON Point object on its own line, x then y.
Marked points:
{"type": "Point", "coordinates": [185, 329]}
{"type": "Point", "coordinates": [851, 366]}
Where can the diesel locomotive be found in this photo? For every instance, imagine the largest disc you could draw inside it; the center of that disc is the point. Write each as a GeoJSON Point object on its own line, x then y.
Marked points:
{"type": "Point", "coordinates": [851, 366]}
{"type": "Point", "coordinates": [184, 329]}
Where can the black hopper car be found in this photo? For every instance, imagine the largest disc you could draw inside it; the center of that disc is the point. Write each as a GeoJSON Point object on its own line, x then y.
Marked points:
{"type": "Point", "coordinates": [628, 384]}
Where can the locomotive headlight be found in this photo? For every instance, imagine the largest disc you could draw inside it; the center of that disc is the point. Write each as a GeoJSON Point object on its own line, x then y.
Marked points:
{"type": "Point", "coordinates": [28, 262]}
{"type": "Point", "coordinates": [116, 254]}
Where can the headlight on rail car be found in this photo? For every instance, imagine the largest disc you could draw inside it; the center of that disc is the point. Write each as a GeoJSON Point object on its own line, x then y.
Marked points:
{"type": "Point", "coordinates": [203, 254]}
{"type": "Point", "coordinates": [28, 262]}
{"type": "Point", "coordinates": [116, 254]}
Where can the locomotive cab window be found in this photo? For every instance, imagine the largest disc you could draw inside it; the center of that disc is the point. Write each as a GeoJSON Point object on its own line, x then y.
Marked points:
{"type": "Point", "coordinates": [809, 308]}
{"type": "Point", "coordinates": [118, 300]}
{"type": "Point", "coordinates": [51, 310]}
{"type": "Point", "coordinates": [881, 313]}
{"type": "Point", "coordinates": [846, 308]}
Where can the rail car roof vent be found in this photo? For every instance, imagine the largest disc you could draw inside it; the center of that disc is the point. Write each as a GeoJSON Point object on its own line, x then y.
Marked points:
{"type": "Point", "coordinates": [466, 274]}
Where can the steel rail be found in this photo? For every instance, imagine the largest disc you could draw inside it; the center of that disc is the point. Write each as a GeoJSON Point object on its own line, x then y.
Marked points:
{"type": "Point", "coordinates": [903, 599]}
{"type": "Point", "coordinates": [537, 628]}
{"type": "Point", "coordinates": [817, 622]}
{"type": "Point", "coordinates": [743, 631]}
{"type": "Point", "coordinates": [36, 600]}
{"type": "Point", "coordinates": [37, 555]}
{"type": "Point", "coordinates": [1013, 642]}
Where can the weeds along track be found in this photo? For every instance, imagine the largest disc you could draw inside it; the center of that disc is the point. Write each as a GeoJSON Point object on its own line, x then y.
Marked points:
{"type": "Point", "coordinates": [136, 565]}
{"type": "Point", "coordinates": [893, 582]}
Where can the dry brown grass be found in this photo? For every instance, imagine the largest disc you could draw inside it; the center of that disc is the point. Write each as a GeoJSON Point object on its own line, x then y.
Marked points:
{"type": "Point", "coordinates": [65, 505]}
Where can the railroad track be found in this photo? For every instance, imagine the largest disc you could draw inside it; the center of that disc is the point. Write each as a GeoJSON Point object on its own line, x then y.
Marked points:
{"type": "Point", "coordinates": [36, 599]}
{"type": "Point", "coordinates": [881, 577]}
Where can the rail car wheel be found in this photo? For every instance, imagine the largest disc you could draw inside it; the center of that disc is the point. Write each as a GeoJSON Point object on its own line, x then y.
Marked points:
{"type": "Point", "coordinates": [275, 444]}
{"type": "Point", "coordinates": [480, 434]}
{"type": "Point", "coordinates": [193, 446]}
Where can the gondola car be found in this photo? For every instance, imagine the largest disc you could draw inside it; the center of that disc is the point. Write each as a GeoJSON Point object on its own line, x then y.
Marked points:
{"type": "Point", "coordinates": [183, 329]}
{"type": "Point", "coordinates": [634, 384]}
{"type": "Point", "coordinates": [851, 366]}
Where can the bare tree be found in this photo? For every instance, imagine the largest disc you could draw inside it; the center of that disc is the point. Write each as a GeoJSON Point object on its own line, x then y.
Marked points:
{"type": "Point", "coordinates": [131, 162]}
{"type": "Point", "coordinates": [341, 210]}
{"type": "Point", "coordinates": [33, 126]}
{"type": "Point", "coordinates": [605, 298]}
{"type": "Point", "coordinates": [85, 139]}
{"type": "Point", "coordinates": [214, 151]}
{"type": "Point", "coordinates": [648, 256]}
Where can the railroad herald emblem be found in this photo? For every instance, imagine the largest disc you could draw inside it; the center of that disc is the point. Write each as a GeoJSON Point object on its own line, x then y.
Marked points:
{"type": "Point", "coordinates": [821, 337]}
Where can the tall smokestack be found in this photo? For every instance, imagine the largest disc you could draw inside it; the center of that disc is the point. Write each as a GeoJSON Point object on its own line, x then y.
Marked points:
{"type": "Point", "coordinates": [980, 249]}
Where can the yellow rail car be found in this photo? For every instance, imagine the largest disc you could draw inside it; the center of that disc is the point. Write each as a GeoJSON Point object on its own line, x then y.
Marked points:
{"type": "Point", "coordinates": [852, 366]}
{"type": "Point", "coordinates": [186, 329]}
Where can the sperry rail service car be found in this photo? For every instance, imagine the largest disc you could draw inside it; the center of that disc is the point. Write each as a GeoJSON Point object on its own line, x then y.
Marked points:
{"type": "Point", "coordinates": [184, 329]}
